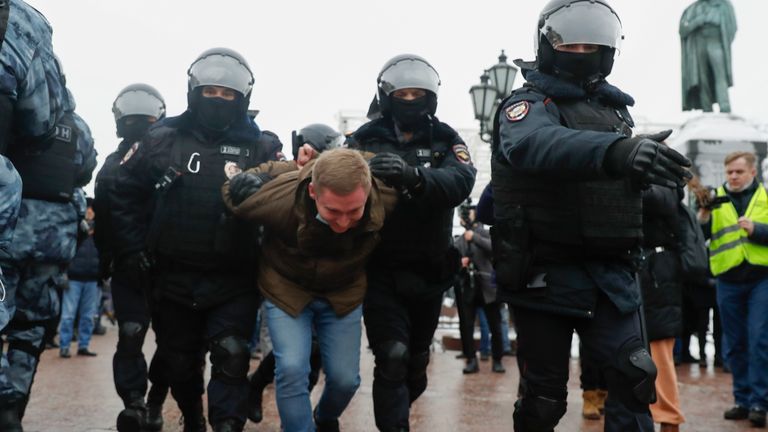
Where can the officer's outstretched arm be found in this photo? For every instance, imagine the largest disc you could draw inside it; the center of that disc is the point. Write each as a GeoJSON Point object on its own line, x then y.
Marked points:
{"type": "Point", "coordinates": [533, 140]}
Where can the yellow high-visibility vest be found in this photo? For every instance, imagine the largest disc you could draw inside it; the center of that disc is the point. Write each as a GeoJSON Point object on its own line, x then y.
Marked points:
{"type": "Point", "coordinates": [729, 245]}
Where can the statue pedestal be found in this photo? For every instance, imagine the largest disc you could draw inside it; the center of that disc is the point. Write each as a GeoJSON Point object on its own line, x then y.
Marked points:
{"type": "Point", "coordinates": [708, 138]}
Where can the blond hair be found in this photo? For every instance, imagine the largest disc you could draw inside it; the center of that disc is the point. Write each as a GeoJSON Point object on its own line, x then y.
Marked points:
{"type": "Point", "coordinates": [748, 157]}
{"type": "Point", "coordinates": [341, 170]}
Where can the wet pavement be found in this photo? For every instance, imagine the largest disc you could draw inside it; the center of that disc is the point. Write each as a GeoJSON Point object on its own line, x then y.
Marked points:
{"type": "Point", "coordinates": [77, 395]}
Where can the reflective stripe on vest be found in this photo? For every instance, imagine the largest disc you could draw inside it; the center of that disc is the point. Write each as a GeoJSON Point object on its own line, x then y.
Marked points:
{"type": "Point", "coordinates": [729, 245]}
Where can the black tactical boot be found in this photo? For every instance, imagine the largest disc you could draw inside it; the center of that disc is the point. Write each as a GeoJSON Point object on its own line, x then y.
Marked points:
{"type": "Point", "coordinates": [133, 417]}
{"type": "Point", "coordinates": [9, 418]}
{"type": "Point", "coordinates": [498, 367]}
{"type": "Point", "coordinates": [155, 399]}
{"type": "Point", "coordinates": [228, 425]}
{"type": "Point", "coordinates": [255, 394]}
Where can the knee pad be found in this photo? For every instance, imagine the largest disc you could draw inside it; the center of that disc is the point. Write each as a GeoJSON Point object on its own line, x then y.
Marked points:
{"type": "Point", "coordinates": [538, 413]}
{"type": "Point", "coordinates": [229, 357]}
{"type": "Point", "coordinates": [130, 339]}
{"type": "Point", "coordinates": [392, 358]}
{"type": "Point", "coordinates": [632, 379]}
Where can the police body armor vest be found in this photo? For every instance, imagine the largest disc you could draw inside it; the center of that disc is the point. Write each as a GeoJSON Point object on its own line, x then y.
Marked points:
{"type": "Point", "coordinates": [192, 226]}
{"type": "Point", "coordinates": [573, 220]}
{"type": "Point", "coordinates": [47, 165]}
{"type": "Point", "coordinates": [412, 233]}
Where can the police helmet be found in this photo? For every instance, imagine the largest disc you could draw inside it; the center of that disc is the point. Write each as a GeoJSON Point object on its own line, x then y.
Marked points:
{"type": "Point", "coordinates": [321, 137]}
{"type": "Point", "coordinates": [139, 99]}
{"type": "Point", "coordinates": [407, 71]}
{"type": "Point", "coordinates": [221, 67]}
{"type": "Point", "coordinates": [566, 22]}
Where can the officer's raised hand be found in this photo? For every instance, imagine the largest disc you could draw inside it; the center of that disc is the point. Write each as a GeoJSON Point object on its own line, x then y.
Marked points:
{"type": "Point", "coordinates": [394, 170]}
{"type": "Point", "coordinates": [246, 184]}
{"type": "Point", "coordinates": [647, 162]}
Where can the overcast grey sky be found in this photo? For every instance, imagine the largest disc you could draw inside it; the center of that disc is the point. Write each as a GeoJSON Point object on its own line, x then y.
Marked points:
{"type": "Point", "coordinates": [312, 58]}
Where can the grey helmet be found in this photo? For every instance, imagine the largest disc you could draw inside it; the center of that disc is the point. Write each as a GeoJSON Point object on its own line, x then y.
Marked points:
{"type": "Point", "coordinates": [139, 99]}
{"type": "Point", "coordinates": [321, 137]}
{"type": "Point", "coordinates": [565, 22]}
{"type": "Point", "coordinates": [221, 67]}
{"type": "Point", "coordinates": [407, 71]}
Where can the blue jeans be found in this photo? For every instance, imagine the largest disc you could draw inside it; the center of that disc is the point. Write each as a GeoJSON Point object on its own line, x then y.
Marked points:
{"type": "Point", "coordinates": [485, 335]}
{"type": "Point", "coordinates": [505, 328]}
{"type": "Point", "coordinates": [81, 297]}
{"type": "Point", "coordinates": [339, 341]}
{"type": "Point", "coordinates": [744, 318]}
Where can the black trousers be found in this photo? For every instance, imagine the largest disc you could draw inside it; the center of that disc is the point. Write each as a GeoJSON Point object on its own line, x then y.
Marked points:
{"type": "Point", "coordinates": [467, 326]}
{"type": "Point", "coordinates": [129, 367]}
{"type": "Point", "coordinates": [184, 333]}
{"type": "Point", "coordinates": [544, 347]}
{"type": "Point", "coordinates": [393, 313]}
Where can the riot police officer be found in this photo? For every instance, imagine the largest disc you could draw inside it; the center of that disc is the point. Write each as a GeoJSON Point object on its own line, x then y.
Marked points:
{"type": "Point", "coordinates": [566, 180]}
{"type": "Point", "coordinates": [429, 164]}
{"type": "Point", "coordinates": [171, 224]}
{"type": "Point", "coordinates": [136, 108]}
{"type": "Point", "coordinates": [53, 152]}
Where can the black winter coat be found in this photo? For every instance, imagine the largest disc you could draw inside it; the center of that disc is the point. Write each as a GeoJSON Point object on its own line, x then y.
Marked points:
{"type": "Point", "coordinates": [660, 279]}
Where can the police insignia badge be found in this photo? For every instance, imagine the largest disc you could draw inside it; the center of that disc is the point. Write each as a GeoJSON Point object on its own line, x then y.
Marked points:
{"type": "Point", "coordinates": [131, 151]}
{"type": "Point", "coordinates": [462, 153]}
{"type": "Point", "coordinates": [231, 169]}
{"type": "Point", "coordinates": [518, 111]}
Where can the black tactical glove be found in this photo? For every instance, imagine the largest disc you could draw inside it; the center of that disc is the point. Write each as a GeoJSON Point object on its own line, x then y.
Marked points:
{"type": "Point", "coordinates": [646, 161]}
{"type": "Point", "coordinates": [394, 171]}
{"type": "Point", "coordinates": [246, 184]}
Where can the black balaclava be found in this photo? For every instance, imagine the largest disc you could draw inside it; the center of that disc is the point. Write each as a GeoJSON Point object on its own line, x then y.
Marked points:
{"type": "Point", "coordinates": [134, 131]}
{"type": "Point", "coordinates": [216, 114]}
{"type": "Point", "coordinates": [582, 66]}
{"type": "Point", "coordinates": [412, 114]}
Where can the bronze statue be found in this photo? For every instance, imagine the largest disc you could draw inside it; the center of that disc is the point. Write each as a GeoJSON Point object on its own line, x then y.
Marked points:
{"type": "Point", "coordinates": [707, 29]}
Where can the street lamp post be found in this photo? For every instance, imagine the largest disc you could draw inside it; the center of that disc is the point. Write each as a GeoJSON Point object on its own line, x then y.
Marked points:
{"type": "Point", "coordinates": [495, 84]}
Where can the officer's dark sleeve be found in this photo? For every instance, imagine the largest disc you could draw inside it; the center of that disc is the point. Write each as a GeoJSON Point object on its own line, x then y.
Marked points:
{"type": "Point", "coordinates": [130, 197]}
{"type": "Point", "coordinates": [276, 151]}
{"type": "Point", "coordinates": [706, 228]}
{"type": "Point", "coordinates": [760, 233]}
{"type": "Point", "coordinates": [449, 185]}
{"type": "Point", "coordinates": [102, 210]}
{"type": "Point", "coordinates": [536, 142]}
{"type": "Point", "coordinates": [482, 239]}
{"type": "Point", "coordinates": [484, 209]}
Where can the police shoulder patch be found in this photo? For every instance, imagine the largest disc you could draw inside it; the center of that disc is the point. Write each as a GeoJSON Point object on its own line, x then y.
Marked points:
{"type": "Point", "coordinates": [131, 151]}
{"type": "Point", "coordinates": [517, 111]}
{"type": "Point", "coordinates": [462, 153]}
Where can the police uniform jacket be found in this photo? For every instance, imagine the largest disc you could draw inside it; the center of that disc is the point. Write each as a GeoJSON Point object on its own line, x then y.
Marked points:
{"type": "Point", "coordinates": [302, 259]}
{"type": "Point", "coordinates": [103, 234]}
{"type": "Point", "coordinates": [166, 199]}
{"type": "Point", "coordinates": [417, 238]}
{"type": "Point", "coordinates": [551, 138]}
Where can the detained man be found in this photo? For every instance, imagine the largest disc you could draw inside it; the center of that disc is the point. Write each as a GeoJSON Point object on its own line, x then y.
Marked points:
{"type": "Point", "coordinates": [321, 223]}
